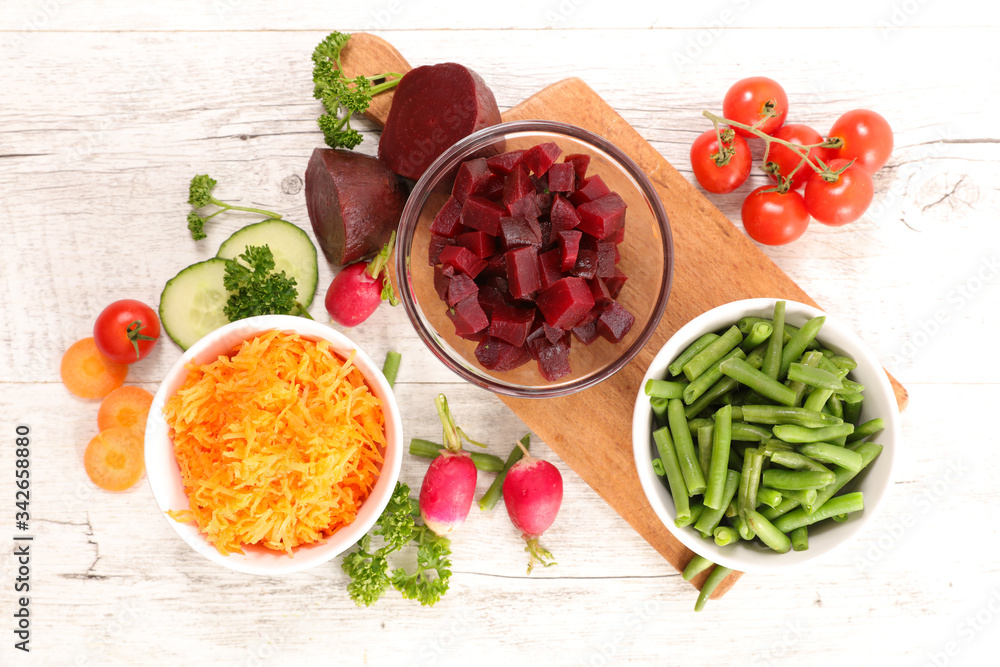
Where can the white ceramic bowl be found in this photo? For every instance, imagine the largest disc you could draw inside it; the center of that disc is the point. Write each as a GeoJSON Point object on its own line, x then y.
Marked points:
{"type": "Point", "coordinates": [165, 477]}
{"type": "Point", "coordinates": [874, 481]}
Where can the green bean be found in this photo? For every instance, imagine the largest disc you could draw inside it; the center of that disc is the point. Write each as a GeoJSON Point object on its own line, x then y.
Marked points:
{"type": "Point", "coordinates": [390, 368]}
{"type": "Point", "coordinates": [806, 498]}
{"type": "Point", "coordinates": [851, 398]}
{"type": "Point", "coordinates": [852, 413]}
{"type": "Point", "coordinates": [721, 440]}
{"type": "Point", "coordinates": [839, 518]}
{"type": "Point", "coordinates": [767, 533]}
{"type": "Point", "coordinates": [725, 535]}
{"type": "Point", "coordinates": [772, 445]}
{"type": "Point", "coordinates": [814, 377]}
{"type": "Point", "coordinates": [710, 518]}
{"type": "Point", "coordinates": [844, 362]}
{"type": "Point", "coordinates": [869, 428]}
{"type": "Point", "coordinates": [697, 508]}
{"type": "Point", "coordinates": [687, 459]}
{"type": "Point", "coordinates": [743, 528]}
{"type": "Point", "coordinates": [772, 357]}
{"type": "Point", "coordinates": [714, 579]}
{"type": "Point", "coordinates": [797, 461]}
{"type": "Point", "coordinates": [688, 354]}
{"type": "Point", "coordinates": [792, 480]}
{"type": "Point", "coordinates": [800, 538]}
{"type": "Point", "coordinates": [810, 359]}
{"type": "Point", "coordinates": [712, 353]}
{"type": "Point", "coordinates": [429, 450]}
{"type": "Point", "coordinates": [744, 432]}
{"type": "Point", "coordinates": [836, 408]}
{"type": "Point", "coordinates": [658, 467]}
{"type": "Point", "coordinates": [665, 446]}
{"type": "Point", "coordinates": [753, 463]}
{"type": "Point", "coordinates": [759, 333]}
{"type": "Point", "coordinates": [768, 496]}
{"type": "Point", "coordinates": [493, 494]}
{"type": "Point", "coordinates": [869, 451]}
{"type": "Point", "coordinates": [817, 399]}
{"type": "Point", "coordinates": [784, 507]}
{"type": "Point", "coordinates": [798, 343]}
{"type": "Point", "coordinates": [800, 434]}
{"type": "Point", "coordinates": [721, 388]}
{"type": "Point", "coordinates": [664, 388]}
{"type": "Point", "coordinates": [695, 424]}
{"type": "Point", "coordinates": [696, 566]}
{"type": "Point", "coordinates": [746, 374]}
{"type": "Point", "coordinates": [851, 387]}
{"type": "Point", "coordinates": [705, 448]}
{"type": "Point", "coordinates": [731, 507]}
{"type": "Point", "coordinates": [706, 380]}
{"type": "Point", "coordinates": [775, 414]}
{"type": "Point", "coordinates": [833, 454]}
{"type": "Point", "coordinates": [845, 504]}
{"type": "Point", "coordinates": [659, 407]}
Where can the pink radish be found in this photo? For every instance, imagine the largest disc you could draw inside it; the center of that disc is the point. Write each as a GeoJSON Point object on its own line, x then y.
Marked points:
{"type": "Point", "coordinates": [358, 289]}
{"type": "Point", "coordinates": [450, 481]}
{"type": "Point", "coordinates": [532, 493]}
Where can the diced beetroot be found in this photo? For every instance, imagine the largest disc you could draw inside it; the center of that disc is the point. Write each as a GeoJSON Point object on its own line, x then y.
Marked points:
{"type": "Point", "coordinates": [552, 334]}
{"type": "Point", "coordinates": [447, 222]}
{"type": "Point", "coordinates": [606, 259]}
{"type": "Point", "coordinates": [619, 235]}
{"type": "Point", "coordinates": [569, 247]}
{"type": "Point", "coordinates": [490, 297]}
{"type": "Point", "coordinates": [460, 288]}
{"type": "Point", "coordinates": [504, 163]}
{"type": "Point", "coordinates": [468, 316]}
{"type": "Point", "coordinates": [493, 189]}
{"type": "Point", "coordinates": [589, 189]}
{"type": "Point", "coordinates": [549, 267]}
{"type": "Point", "coordinates": [544, 202]}
{"type": "Point", "coordinates": [602, 296]}
{"type": "Point", "coordinates": [590, 317]}
{"type": "Point", "coordinates": [541, 183]}
{"type": "Point", "coordinates": [481, 244]}
{"type": "Point", "coordinates": [442, 278]}
{"type": "Point", "coordinates": [618, 254]}
{"type": "Point", "coordinates": [476, 336]}
{"type": "Point", "coordinates": [523, 272]}
{"type": "Point", "coordinates": [614, 322]}
{"type": "Point", "coordinates": [586, 264]}
{"type": "Point", "coordinates": [500, 356]}
{"type": "Point", "coordinates": [463, 260]}
{"type": "Point", "coordinates": [517, 232]}
{"type": "Point", "coordinates": [511, 324]}
{"type": "Point", "coordinates": [435, 246]}
{"type": "Point", "coordinates": [602, 217]}
{"type": "Point", "coordinates": [495, 268]}
{"type": "Point", "coordinates": [526, 207]}
{"type": "Point", "coordinates": [539, 158]}
{"type": "Point", "coordinates": [562, 178]}
{"type": "Point", "coordinates": [615, 283]}
{"type": "Point", "coordinates": [517, 184]}
{"type": "Point", "coordinates": [471, 179]}
{"type": "Point", "coordinates": [580, 163]}
{"type": "Point", "coordinates": [482, 214]}
{"type": "Point", "coordinates": [552, 358]}
{"type": "Point", "coordinates": [563, 214]}
{"type": "Point", "coordinates": [586, 333]}
{"type": "Point", "coordinates": [565, 302]}
{"type": "Point", "coordinates": [500, 280]}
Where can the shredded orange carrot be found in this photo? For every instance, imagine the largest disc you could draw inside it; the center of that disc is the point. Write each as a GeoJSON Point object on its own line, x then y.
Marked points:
{"type": "Point", "coordinates": [278, 444]}
{"type": "Point", "coordinates": [126, 406]}
{"type": "Point", "coordinates": [87, 373]}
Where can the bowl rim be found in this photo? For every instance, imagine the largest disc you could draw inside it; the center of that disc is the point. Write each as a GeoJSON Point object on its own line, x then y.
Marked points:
{"type": "Point", "coordinates": [410, 217]}
{"type": "Point", "coordinates": [158, 449]}
{"type": "Point", "coordinates": [642, 430]}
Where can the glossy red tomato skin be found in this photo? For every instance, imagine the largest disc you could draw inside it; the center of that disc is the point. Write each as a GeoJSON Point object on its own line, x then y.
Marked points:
{"type": "Point", "coordinates": [867, 139]}
{"type": "Point", "coordinates": [715, 179]}
{"type": "Point", "coordinates": [774, 218]}
{"type": "Point", "coordinates": [843, 201]}
{"type": "Point", "coordinates": [111, 330]}
{"type": "Point", "coordinates": [787, 159]}
{"type": "Point", "coordinates": [744, 102]}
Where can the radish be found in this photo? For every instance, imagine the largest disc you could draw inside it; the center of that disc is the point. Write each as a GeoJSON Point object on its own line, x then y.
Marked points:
{"type": "Point", "coordinates": [532, 493]}
{"type": "Point", "coordinates": [358, 289]}
{"type": "Point", "coordinates": [450, 481]}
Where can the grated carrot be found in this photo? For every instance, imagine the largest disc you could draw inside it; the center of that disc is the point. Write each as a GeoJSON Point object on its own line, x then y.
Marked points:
{"type": "Point", "coordinates": [278, 444]}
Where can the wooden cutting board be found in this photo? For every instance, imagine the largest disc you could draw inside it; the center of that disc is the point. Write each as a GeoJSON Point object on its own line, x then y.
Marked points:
{"type": "Point", "coordinates": [601, 451]}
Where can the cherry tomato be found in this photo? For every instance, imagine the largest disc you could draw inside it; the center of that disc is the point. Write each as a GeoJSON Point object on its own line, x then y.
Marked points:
{"type": "Point", "coordinates": [711, 176]}
{"type": "Point", "coordinates": [842, 201]}
{"type": "Point", "coordinates": [745, 103]}
{"type": "Point", "coordinates": [774, 218]}
{"type": "Point", "coordinates": [867, 139]}
{"type": "Point", "coordinates": [126, 331]}
{"type": "Point", "coordinates": [787, 159]}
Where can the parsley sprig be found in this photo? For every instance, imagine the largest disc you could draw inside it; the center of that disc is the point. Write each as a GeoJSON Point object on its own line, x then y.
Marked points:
{"type": "Point", "coordinates": [255, 288]}
{"type": "Point", "coordinates": [200, 196]}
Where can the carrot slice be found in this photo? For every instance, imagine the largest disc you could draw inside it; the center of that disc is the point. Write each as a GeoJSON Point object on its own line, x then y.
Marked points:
{"type": "Point", "coordinates": [125, 406]}
{"type": "Point", "coordinates": [87, 373]}
{"type": "Point", "coordinates": [113, 459]}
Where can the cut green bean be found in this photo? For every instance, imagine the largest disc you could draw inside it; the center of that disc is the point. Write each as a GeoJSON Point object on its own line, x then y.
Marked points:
{"type": "Point", "coordinates": [852, 414]}
{"type": "Point", "coordinates": [767, 533]}
{"type": "Point", "coordinates": [705, 448]}
{"type": "Point", "coordinates": [759, 333]}
{"type": "Point", "coordinates": [687, 458]}
{"type": "Point", "coordinates": [721, 441]}
{"type": "Point", "coordinates": [846, 363]}
{"type": "Point", "coordinates": [713, 353]}
{"type": "Point", "coordinates": [675, 480]}
{"type": "Point", "coordinates": [688, 354]}
{"type": "Point", "coordinates": [845, 504]}
{"type": "Point", "coordinates": [697, 508]}
{"type": "Point", "coordinates": [869, 451]}
{"type": "Point", "coordinates": [800, 538]}
{"type": "Point", "coordinates": [695, 566]}
{"type": "Point", "coordinates": [768, 496]}
{"type": "Point", "coordinates": [868, 429]}
{"type": "Point", "coordinates": [801, 434]}
{"type": "Point", "coordinates": [664, 388]}
{"type": "Point", "coordinates": [780, 414]}
{"type": "Point", "coordinates": [834, 455]}
{"type": "Point", "coordinates": [793, 480]}
{"type": "Point", "coordinates": [797, 461]}
{"type": "Point", "coordinates": [772, 356]}
{"type": "Point", "coordinates": [772, 445]}
{"type": "Point", "coordinates": [710, 518]}
{"type": "Point", "coordinates": [743, 432]}
{"type": "Point", "coordinates": [806, 498]}
{"type": "Point", "coordinates": [784, 507]}
{"type": "Point", "coordinates": [753, 463]}
{"type": "Point", "coordinates": [715, 578]}
{"type": "Point", "coordinates": [725, 535]}
{"type": "Point", "coordinates": [494, 493]}
{"type": "Point", "coordinates": [747, 375]}
{"type": "Point", "coordinates": [430, 450]}
{"type": "Point", "coordinates": [814, 377]}
{"type": "Point", "coordinates": [723, 387]}
{"type": "Point", "coordinates": [659, 408]}
{"type": "Point", "coordinates": [390, 368]}
{"type": "Point", "coordinates": [743, 528]}
{"type": "Point", "coordinates": [798, 343]}
{"type": "Point", "coordinates": [706, 380]}
{"type": "Point", "coordinates": [816, 399]}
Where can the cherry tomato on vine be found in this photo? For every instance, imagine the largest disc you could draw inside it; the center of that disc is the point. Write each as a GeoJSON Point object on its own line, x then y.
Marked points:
{"type": "Point", "coordinates": [787, 159]}
{"type": "Point", "coordinates": [842, 201]}
{"type": "Point", "coordinates": [774, 218]}
{"type": "Point", "coordinates": [710, 175]}
{"type": "Point", "coordinates": [867, 139]}
{"type": "Point", "coordinates": [746, 102]}
{"type": "Point", "coordinates": [126, 331]}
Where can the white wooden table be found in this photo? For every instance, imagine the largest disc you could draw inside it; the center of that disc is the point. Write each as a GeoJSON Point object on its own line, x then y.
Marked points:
{"type": "Point", "coordinates": [109, 107]}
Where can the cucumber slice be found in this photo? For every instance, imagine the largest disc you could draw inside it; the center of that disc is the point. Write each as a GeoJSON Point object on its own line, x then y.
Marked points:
{"type": "Point", "coordinates": [294, 253]}
{"type": "Point", "coordinates": [192, 301]}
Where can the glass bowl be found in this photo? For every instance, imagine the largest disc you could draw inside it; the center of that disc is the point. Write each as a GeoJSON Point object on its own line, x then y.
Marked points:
{"type": "Point", "coordinates": [645, 257]}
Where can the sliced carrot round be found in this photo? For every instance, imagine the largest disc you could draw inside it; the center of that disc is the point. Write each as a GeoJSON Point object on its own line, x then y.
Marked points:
{"type": "Point", "coordinates": [113, 459]}
{"type": "Point", "coordinates": [88, 373]}
{"type": "Point", "coordinates": [125, 406]}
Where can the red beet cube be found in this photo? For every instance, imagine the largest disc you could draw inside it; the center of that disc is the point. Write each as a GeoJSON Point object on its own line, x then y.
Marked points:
{"type": "Point", "coordinates": [539, 158]}
{"type": "Point", "coordinates": [552, 334]}
{"type": "Point", "coordinates": [517, 232]}
{"type": "Point", "coordinates": [493, 189]}
{"type": "Point", "coordinates": [562, 178]}
{"type": "Point", "coordinates": [435, 246]}
{"type": "Point", "coordinates": [495, 268]}
{"type": "Point", "coordinates": [442, 278]}
{"type": "Point", "coordinates": [580, 163]}
{"type": "Point", "coordinates": [602, 296]}
{"type": "Point", "coordinates": [615, 283]}
{"type": "Point", "coordinates": [589, 189]}
{"type": "Point", "coordinates": [586, 333]}
{"type": "Point", "coordinates": [460, 288]}
{"type": "Point", "coordinates": [552, 358]}
{"type": "Point", "coordinates": [549, 267]}
{"type": "Point", "coordinates": [504, 163]}
{"type": "Point", "coordinates": [448, 222]}
{"type": "Point", "coordinates": [511, 324]}
{"type": "Point", "coordinates": [523, 272]}
{"type": "Point", "coordinates": [471, 179]}
{"type": "Point", "coordinates": [606, 259]}
{"type": "Point", "coordinates": [565, 302]}
{"type": "Point", "coordinates": [586, 264]}
{"type": "Point", "coordinates": [569, 247]}
{"type": "Point", "coordinates": [498, 355]}
{"type": "Point", "coordinates": [563, 214]}
{"type": "Point", "coordinates": [525, 207]}
{"type": "Point", "coordinates": [614, 322]}
{"type": "Point", "coordinates": [619, 235]}
{"type": "Point", "coordinates": [468, 316]}
{"type": "Point", "coordinates": [602, 217]}
{"type": "Point", "coordinates": [482, 214]}
{"type": "Point", "coordinates": [544, 202]}
{"type": "Point", "coordinates": [490, 297]}
{"type": "Point", "coordinates": [517, 185]}
{"type": "Point", "coordinates": [463, 260]}
{"type": "Point", "coordinates": [481, 244]}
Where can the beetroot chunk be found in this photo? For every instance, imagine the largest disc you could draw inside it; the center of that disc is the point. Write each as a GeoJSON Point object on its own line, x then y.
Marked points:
{"type": "Point", "coordinates": [505, 162]}
{"type": "Point", "coordinates": [511, 324]}
{"type": "Point", "coordinates": [562, 214]}
{"type": "Point", "coordinates": [553, 358]}
{"type": "Point", "coordinates": [434, 106]}
{"type": "Point", "coordinates": [481, 244]}
{"type": "Point", "coordinates": [589, 189]}
{"type": "Point", "coordinates": [615, 322]}
{"type": "Point", "coordinates": [602, 217]}
{"type": "Point", "coordinates": [523, 272]}
{"type": "Point", "coordinates": [516, 186]}
{"type": "Point", "coordinates": [468, 316]}
{"type": "Point", "coordinates": [569, 247]}
{"type": "Point", "coordinates": [565, 302]}
{"type": "Point", "coordinates": [463, 260]}
{"type": "Point", "coordinates": [498, 355]}
{"type": "Point", "coordinates": [580, 163]}
{"type": "Point", "coordinates": [435, 246]}
{"type": "Point", "coordinates": [447, 222]}
{"type": "Point", "coordinates": [517, 232]}
{"type": "Point", "coordinates": [539, 158]}
{"type": "Point", "coordinates": [460, 288]}
{"type": "Point", "coordinates": [562, 178]}
{"type": "Point", "coordinates": [354, 202]}
{"type": "Point", "coordinates": [473, 178]}
{"type": "Point", "coordinates": [616, 282]}
{"type": "Point", "coordinates": [442, 278]}
{"type": "Point", "coordinates": [482, 214]}
{"type": "Point", "coordinates": [548, 264]}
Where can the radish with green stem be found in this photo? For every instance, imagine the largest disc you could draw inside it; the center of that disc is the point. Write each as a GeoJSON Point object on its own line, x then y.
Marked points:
{"type": "Point", "coordinates": [358, 289]}
{"type": "Point", "coordinates": [532, 493]}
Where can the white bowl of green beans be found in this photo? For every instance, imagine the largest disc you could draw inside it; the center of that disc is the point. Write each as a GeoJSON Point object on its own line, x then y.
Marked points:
{"type": "Point", "coordinates": [761, 451]}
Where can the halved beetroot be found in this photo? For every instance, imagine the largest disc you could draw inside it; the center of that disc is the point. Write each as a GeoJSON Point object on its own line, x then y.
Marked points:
{"type": "Point", "coordinates": [517, 185]}
{"type": "Point", "coordinates": [480, 243]}
{"type": "Point", "coordinates": [498, 355]}
{"type": "Point", "coordinates": [614, 322]}
{"type": "Point", "coordinates": [549, 270]}
{"type": "Point", "coordinates": [569, 247]}
{"type": "Point", "coordinates": [511, 324]}
{"type": "Point", "coordinates": [603, 216]}
{"type": "Point", "coordinates": [468, 316]}
{"type": "Point", "coordinates": [482, 214]}
{"type": "Point", "coordinates": [460, 288]}
{"type": "Point", "coordinates": [589, 189]}
{"type": "Point", "coordinates": [462, 260]}
{"type": "Point", "coordinates": [565, 302]}
{"type": "Point", "coordinates": [472, 179]}
{"type": "Point", "coordinates": [542, 156]}
{"type": "Point", "coordinates": [562, 178]}
{"type": "Point", "coordinates": [523, 272]}
{"type": "Point", "coordinates": [563, 214]}
{"type": "Point", "coordinates": [518, 232]}
{"type": "Point", "coordinates": [447, 222]}
{"type": "Point", "coordinates": [580, 163]}
{"type": "Point", "coordinates": [505, 162]}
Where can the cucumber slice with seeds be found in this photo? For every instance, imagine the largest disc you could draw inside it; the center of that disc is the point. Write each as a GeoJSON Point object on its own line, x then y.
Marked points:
{"type": "Point", "coordinates": [192, 301]}
{"type": "Point", "coordinates": [294, 253]}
